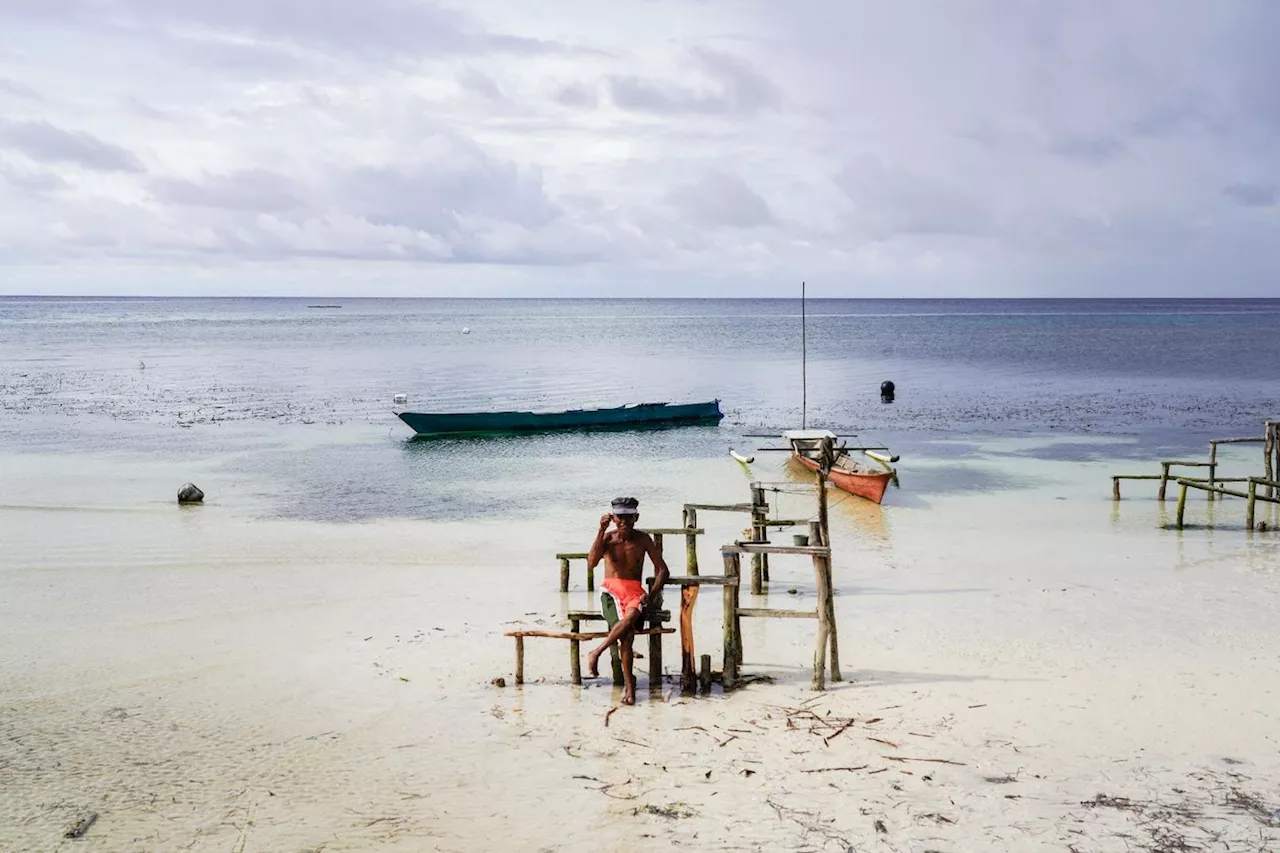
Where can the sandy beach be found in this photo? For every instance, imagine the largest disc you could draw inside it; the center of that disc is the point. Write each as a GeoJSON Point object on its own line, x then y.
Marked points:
{"type": "Point", "coordinates": [1035, 669]}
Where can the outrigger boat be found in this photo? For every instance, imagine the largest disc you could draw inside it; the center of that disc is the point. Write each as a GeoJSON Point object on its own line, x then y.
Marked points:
{"type": "Point", "coordinates": [846, 473]}
{"type": "Point", "coordinates": [806, 445]}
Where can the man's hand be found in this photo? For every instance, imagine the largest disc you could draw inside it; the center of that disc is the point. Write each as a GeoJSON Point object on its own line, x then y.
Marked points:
{"type": "Point", "coordinates": [605, 521]}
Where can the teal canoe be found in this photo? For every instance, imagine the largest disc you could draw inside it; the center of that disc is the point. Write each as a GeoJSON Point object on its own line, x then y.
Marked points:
{"type": "Point", "coordinates": [642, 414]}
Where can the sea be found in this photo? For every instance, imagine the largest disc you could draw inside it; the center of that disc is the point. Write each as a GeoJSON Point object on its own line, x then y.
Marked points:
{"type": "Point", "coordinates": [291, 400]}
{"type": "Point", "coordinates": [315, 657]}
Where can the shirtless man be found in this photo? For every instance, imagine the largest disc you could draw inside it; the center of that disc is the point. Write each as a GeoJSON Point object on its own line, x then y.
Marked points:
{"type": "Point", "coordinates": [624, 551]}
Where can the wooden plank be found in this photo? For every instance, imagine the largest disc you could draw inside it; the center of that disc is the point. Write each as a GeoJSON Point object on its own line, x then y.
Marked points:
{"type": "Point", "coordinates": [1237, 440]}
{"type": "Point", "coordinates": [1185, 464]}
{"type": "Point", "coordinates": [758, 548]}
{"type": "Point", "coordinates": [701, 580]}
{"type": "Point", "coordinates": [1160, 477]}
{"type": "Point", "coordinates": [770, 613]}
{"type": "Point", "coordinates": [784, 522]}
{"type": "Point", "coordinates": [582, 635]}
{"type": "Point", "coordinates": [596, 616]}
{"type": "Point", "coordinates": [672, 531]}
{"type": "Point", "coordinates": [1204, 488]}
{"type": "Point", "coordinates": [573, 555]}
{"type": "Point", "coordinates": [721, 507]}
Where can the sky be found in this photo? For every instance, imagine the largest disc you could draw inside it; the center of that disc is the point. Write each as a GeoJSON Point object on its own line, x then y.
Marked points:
{"type": "Point", "coordinates": [915, 148]}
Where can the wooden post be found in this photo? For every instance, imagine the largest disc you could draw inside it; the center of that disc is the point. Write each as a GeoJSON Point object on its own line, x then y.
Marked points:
{"type": "Point", "coordinates": [758, 499]}
{"type": "Point", "coordinates": [655, 652]}
{"type": "Point", "coordinates": [1182, 505]}
{"type": "Point", "coordinates": [731, 564]}
{"type": "Point", "coordinates": [1268, 451]}
{"type": "Point", "coordinates": [737, 620]}
{"type": "Point", "coordinates": [1275, 451]}
{"type": "Point", "coordinates": [519, 660]}
{"type": "Point", "coordinates": [704, 677]}
{"type": "Point", "coordinates": [688, 598]}
{"type": "Point", "coordinates": [824, 628]}
{"type": "Point", "coordinates": [1213, 464]}
{"type": "Point", "coordinates": [1115, 488]}
{"type": "Point", "coordinates": [1164, 480]}
{"type": "Point", "coordinates": [830, 606]}
{"type": "Point", "coordinates": [823, 472]}
{"type": "Point", "coordinates": [564, 575]}
{"type": "Point", "coordinates": [657, 542]}
{"type": "Point", "coordinates": [575, 654]}
{"type": "Point", "coordinates": [757, 535]}
{"type": "Point", "coordinates": [1253, 500]}
{"type": "Point", "coordinates": [691, 540]}
{"type": "Point", "coordinates": [815, 533]}
{"type": "Point", "coordinates": [591, 576]}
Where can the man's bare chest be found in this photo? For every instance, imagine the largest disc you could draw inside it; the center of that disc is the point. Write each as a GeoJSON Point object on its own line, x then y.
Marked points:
{"type": "Point", "coordinates": [626, 553]}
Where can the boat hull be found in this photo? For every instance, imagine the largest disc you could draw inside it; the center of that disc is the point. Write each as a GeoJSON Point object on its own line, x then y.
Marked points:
{"type": "Point", "coordinates": [870, 485]}
{"type": "Point", "coordinates": [645, 414]}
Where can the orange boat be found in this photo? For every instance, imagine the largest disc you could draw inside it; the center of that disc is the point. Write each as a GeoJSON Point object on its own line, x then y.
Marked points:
{"type": "Point", "coordinates": [847, 474]}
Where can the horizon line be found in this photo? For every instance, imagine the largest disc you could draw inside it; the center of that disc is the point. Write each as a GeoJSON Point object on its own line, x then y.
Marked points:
{"type": "Point", "coordinates": [596, 298]}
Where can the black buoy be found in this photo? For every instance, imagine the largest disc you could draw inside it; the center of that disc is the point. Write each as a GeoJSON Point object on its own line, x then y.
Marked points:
{"type": "Point", "coordinates": [886, 391]}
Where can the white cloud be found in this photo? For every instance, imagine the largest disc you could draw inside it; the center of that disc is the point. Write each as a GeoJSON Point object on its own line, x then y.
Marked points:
{"type": "Point", "coordinates": [679, 146]}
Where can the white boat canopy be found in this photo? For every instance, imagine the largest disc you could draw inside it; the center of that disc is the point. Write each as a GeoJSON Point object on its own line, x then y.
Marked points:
{"type": "Point", "coordinates": [808, 434]}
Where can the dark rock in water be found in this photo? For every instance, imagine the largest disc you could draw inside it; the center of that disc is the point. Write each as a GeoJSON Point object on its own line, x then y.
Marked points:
{"type": "Point", "coordinates": [190, 494]}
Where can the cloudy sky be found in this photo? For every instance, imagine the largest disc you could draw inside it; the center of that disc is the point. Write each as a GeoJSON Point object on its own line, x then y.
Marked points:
{"type": "Point", "coordinates": [650, 147]}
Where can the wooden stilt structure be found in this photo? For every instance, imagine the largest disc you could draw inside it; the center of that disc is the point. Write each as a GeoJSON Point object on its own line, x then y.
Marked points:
{"type": "Point", "coordinates": [1265, 488]}
{"type": "Point", "coordinates": [1251, 495]}
{"type": "Point", "coordinates": [695, 670]}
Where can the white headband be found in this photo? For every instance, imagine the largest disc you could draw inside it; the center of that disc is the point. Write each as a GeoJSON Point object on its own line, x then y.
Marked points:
{"type": "Point", "coordinates": [625, 510]}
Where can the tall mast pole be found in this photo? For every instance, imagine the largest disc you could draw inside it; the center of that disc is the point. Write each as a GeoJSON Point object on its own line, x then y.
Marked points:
{"type": "Point", "coordinates": [804, 357]}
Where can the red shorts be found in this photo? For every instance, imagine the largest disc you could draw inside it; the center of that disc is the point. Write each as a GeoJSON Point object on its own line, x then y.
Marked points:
{"type": "Point", "coordinates": [627, 594]}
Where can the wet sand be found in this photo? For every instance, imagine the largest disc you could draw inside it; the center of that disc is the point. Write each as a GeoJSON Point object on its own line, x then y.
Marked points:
{"type": "Point", "coordinates": [1031, 668]}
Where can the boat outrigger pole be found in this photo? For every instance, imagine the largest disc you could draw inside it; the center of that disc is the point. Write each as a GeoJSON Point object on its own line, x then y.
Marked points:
{"type": "Point", "coordinates": [804, 357]}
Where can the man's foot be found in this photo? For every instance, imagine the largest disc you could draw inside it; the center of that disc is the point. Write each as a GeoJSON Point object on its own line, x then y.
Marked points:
{"type": "Point", "coordinates": [593, 662]}
{"type": "Point", "coordinates": [629, 695]}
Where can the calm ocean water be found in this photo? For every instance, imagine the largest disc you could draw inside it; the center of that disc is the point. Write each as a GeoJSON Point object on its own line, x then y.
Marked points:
{"type": "Point", "coordinates": [301, 396]}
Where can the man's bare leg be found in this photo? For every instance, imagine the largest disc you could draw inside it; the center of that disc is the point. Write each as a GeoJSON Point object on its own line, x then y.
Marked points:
{"type": "Point", "coordinates": [628, 677]}
{"type": "Point", "coordinates": [625, 625]}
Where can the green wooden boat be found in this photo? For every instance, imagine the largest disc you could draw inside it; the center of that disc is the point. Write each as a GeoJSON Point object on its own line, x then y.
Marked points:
{"type": "Point", "coordinates": [642, 414]}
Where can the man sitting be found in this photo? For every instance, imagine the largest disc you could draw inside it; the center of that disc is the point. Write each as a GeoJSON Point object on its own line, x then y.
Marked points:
{"type": "Point", "coordinates": [624, 550]}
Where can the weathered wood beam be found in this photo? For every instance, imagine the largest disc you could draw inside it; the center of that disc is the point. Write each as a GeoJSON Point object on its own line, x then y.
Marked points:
{"type": "Point", "coordinates": [581, 635]}
{"type": "Point", "coordinates": [759, 548]}
{"type": "Point", "coordinates": [771, 613]}
{"type": "Point", "coordinates": [701, 580]}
